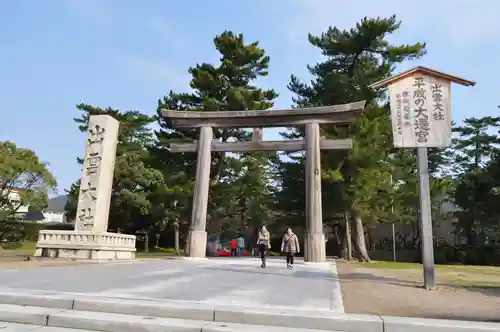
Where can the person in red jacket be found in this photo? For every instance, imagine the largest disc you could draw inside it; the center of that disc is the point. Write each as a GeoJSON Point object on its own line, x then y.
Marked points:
{"type": "Point", "coordinates": [233, 244]}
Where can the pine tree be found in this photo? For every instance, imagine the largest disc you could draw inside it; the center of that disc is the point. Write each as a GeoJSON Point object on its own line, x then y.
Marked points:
{"type": "Point", "coordinates": [355, 58]}
{"type": "Point", "coordinates": [225, 87]}
{"type": "Point", "coordinates": [474, 145]}
{"type": "Point", "coordinates": [475, 156]}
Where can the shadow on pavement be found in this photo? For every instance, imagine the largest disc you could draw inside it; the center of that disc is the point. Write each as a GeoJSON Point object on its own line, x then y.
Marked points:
{"type": "Point", "coordinates": [282, 272]}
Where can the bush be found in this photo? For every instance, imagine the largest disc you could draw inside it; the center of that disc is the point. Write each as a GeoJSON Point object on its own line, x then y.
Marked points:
{"type": "Point", "coordinates": [445, 255]}
{"type": "Point", "coordinates": [479, 255]}
{"type": "Point", "coordinates": [12, 245]}
{"type": "Point", "coordinates": [440, 257]}
{"type": "Point", "coordinates": [31, 230]}
{"type": "Point", "coordinates": [468, 255]}
{"type": "Point", "coordinates": [11, 231]}
{"type": "Point", "coordinates": [460, 256]}
{"type": "Point", "coordinates": [60, 227]}
{"type": "Point", "coordinates": [473, 256]}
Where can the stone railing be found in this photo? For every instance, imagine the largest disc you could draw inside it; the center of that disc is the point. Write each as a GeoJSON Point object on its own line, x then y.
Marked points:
{"type": "Point", "coordinates": [76, 239]}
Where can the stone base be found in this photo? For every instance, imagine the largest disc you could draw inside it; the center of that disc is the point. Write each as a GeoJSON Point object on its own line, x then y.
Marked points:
{"type": "Point", "coordinates": [315, 248]}
{"type": "Point", "coordinates": [79, 245]}
{"type": "Point", "coordinates": [196, 245]}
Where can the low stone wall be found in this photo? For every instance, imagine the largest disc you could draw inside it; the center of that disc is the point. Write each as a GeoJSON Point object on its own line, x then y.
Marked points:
{"type": "Point", "coordinates": [85, 245]}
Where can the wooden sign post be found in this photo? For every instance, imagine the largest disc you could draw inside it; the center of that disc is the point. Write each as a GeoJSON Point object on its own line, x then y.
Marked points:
{"type": "Point", "coordinates": [421, 119]}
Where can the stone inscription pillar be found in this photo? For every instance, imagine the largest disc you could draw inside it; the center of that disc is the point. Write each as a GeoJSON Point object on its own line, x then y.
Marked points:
{"type": "Point", "coordinates": [315, 238]}
{"type": "Point", "coordinates": [197, 237]}
{"type": "Point", "coordinates": [97, 179]}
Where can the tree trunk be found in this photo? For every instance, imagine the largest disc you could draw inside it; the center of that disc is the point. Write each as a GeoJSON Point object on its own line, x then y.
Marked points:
{"type": "Point", "coordinates": [415, 240]}
{"type": "Point", "coordinates": [146, 242]}
{"type": "Point", "coordinates": [359, 236]}
{"type": "Point", "coordinates": [469, 231]}
{"type": "Point", "coordinates": [348, 246]}
{"type": "Point", "coordinates": [157, 240]}
{"type": "Point", "coordinates": [337, 230]}
{"type": "Point", "coordinates": [176, 239]}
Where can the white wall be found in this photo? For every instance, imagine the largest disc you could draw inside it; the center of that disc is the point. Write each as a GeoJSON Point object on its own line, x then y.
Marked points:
{"type": "Point", "coordinates": [53, 217]}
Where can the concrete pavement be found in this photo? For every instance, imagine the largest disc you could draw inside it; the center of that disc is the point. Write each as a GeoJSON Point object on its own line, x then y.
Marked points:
{"type": "Point", "coordinates": [221, 281]}
{"type": "Point", "coordinates": [223, 295]}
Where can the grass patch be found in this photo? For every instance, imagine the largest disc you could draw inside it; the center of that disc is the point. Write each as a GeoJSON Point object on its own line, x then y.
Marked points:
{"type": "Point", "coordinates": [28, 246]}
{"type": "Point", "coordinates": [459, 275]}
{"type": "Point", "coordinates": [493, 270]}
{"type": "Point", "coordinates": [473, 283]}
{"type": "Point", "coordinates": [390, 265]}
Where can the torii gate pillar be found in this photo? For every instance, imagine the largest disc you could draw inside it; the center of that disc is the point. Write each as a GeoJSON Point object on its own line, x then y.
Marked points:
{"type": "Point", "coordinates": [314, 242]}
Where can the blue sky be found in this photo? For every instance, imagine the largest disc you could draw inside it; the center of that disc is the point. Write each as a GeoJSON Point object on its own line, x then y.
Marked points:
{"type": "Point", "coordinates": [126, 54]}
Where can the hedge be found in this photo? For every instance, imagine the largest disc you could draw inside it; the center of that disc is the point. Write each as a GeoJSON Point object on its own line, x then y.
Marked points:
{"type": "Point", "coordinates": [16, 231]}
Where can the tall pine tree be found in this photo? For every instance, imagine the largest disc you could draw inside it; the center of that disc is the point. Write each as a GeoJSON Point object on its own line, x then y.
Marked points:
{"type": "Point", "coordinates": [475, 164]}
{"type": "Point", "coordinates": [227, 86]}
{"type": "Point", "coordinates": [355, 58]}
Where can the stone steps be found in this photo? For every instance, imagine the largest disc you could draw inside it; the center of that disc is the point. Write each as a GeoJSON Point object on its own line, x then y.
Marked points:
{"type": "Point", "coordinates": [107, 314]}
{"type": "Point", "coordinates": [16, 327]}
{"type": "Point", "coordinates": [111, 322]}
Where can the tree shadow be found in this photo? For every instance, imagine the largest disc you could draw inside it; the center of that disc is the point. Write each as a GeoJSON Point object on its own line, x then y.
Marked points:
{"type": "Point", "coordinates": [309, 274]}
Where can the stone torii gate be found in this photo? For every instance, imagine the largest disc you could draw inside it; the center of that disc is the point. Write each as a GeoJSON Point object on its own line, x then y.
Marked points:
{"type": "Point", "coordinates": [312, 144]}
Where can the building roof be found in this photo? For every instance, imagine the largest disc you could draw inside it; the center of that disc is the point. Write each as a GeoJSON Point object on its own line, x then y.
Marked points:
{"type": "Point", "coordinates": [33, 215]}
{"type": "Point", "coordinates": [423, 70]}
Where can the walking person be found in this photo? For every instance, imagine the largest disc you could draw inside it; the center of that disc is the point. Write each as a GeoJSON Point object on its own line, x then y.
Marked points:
{"type": "Point", "coordinates": [233, 245]}
{"type": "Point", "coordinates": [241, 246]}
{"type": "Point", "coordinates": [290, 246]}
{"type": "Point", "coordinates": [263, 243]}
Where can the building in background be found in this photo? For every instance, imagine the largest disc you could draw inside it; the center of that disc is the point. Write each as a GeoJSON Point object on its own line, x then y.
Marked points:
{"type": "Point", "coordinates": [53, 213]}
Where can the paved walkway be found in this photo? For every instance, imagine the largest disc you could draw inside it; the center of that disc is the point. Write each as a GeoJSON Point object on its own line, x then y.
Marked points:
{"type": "Point", "coordinates": [217, 280]}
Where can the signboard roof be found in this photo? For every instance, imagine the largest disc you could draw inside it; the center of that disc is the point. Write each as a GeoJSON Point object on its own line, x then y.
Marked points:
{"type": "Point", "coordinates": [424, 71]}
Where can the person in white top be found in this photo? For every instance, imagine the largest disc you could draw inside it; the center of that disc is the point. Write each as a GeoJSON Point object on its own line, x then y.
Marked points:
{"type": "Point", "coordinates": [263, 243]}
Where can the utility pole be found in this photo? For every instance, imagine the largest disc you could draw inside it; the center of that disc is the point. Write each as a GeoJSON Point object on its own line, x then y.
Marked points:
{"type": "Point", "coordinates": [393, 227]}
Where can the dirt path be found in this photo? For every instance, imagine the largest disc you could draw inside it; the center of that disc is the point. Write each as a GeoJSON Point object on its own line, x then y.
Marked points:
{"type": "Point", "coordinates": [17, 260]}
{"type": "Point", "coordinates": [399, 293]}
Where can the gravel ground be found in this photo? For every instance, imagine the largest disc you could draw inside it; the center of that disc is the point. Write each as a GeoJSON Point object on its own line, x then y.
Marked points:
{"type": "Point", "coordinates": [394, 293]}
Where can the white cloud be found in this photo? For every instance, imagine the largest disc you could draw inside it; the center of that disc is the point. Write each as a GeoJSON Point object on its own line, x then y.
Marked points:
{"type": "Point", "coordinates": [464, 23]}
